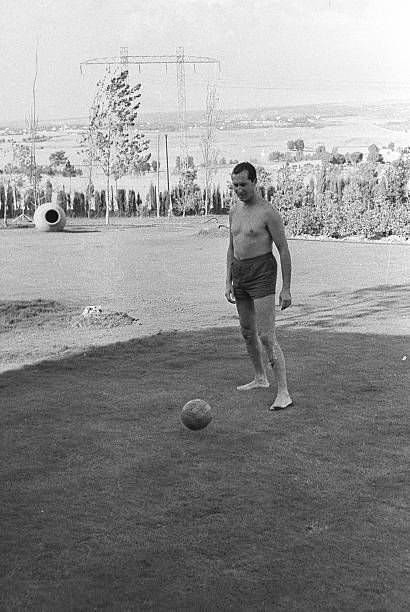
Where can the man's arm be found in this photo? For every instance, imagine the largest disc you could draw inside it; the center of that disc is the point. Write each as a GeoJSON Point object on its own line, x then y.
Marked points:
{"type": "Point", "coordinates": [277, 231]}
{"type": "Point", "coordinates": [229, 257]}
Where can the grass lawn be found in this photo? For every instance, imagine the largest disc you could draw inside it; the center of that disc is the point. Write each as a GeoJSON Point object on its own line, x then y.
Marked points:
{"type": "Point", "coordinates": [108, 502]}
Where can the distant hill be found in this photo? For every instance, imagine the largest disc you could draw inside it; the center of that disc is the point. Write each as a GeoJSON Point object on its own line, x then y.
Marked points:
{"type": "Point", "coordinates": [399, 111]}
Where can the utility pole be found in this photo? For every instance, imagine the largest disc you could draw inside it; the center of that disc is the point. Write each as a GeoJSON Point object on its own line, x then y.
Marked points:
{"type": "Point", "coordinates": [158, 211]}
{"type": "Point", "coordinates": [180, 60]}
{"type": "Point", "coordinates": [33, 134]}
{"type": "Point", "coordinates": [124, 58]}
{"type": "Point", "coordinates": [32, 125]}
{"type": "Point", "coordinates": [168, 190]}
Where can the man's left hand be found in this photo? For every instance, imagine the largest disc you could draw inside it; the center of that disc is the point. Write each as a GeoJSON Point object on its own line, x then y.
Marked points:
{"type": "Point", "coordinates": [285, 299]}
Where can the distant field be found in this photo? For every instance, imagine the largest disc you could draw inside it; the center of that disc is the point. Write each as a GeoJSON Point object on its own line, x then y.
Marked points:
{"type": "Point", "coordinates": [347, 133]}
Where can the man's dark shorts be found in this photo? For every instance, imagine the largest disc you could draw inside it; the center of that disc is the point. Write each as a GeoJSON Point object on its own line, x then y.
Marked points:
{"type": "Point", "coordinates": [254, 278]}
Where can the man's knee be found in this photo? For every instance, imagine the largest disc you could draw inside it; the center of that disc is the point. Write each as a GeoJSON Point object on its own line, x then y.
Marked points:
{"type": "Point", "coordinates": [266, 337]}
{"type": "Point", "coordinates": [249, 334]}
{"type": "Point", "coordinates": [270, 343]}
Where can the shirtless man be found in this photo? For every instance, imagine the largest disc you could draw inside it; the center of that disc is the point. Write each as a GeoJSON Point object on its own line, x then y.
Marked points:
{"type": "Point", "coordinates": [251, 278]}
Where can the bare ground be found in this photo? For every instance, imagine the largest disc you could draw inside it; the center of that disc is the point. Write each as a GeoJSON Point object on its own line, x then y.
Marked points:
{"type": "Point", "coordinates": [160, 275]}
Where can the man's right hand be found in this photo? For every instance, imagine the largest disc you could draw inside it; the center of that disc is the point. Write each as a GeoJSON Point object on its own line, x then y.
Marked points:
{"type": "Point", "coordinates": [229, 293]}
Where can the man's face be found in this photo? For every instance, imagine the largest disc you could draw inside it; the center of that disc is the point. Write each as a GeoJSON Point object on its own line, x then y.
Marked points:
{"type": "Point", "coordinates": [243, 186]}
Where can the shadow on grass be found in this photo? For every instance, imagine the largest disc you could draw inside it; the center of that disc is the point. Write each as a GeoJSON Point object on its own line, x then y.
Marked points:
{"type": "Point", "coordinates": [79, 230]}
{"type": "Point", "coordinates": [338, 309]}
{"type": "Point", "coordinates": [108, 502]}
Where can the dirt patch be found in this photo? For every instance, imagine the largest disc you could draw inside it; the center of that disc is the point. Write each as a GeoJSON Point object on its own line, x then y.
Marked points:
{"type": "Point", "coordinates": [32, 330]}
{"type": "Point", "coordinates": [28, 313]}
{"type": "Point", "coordinates": [105, 320]}
{"type": "Point", "coordinates": [152, 278]}
{"type": "Point", "coordinates": [20, 315]}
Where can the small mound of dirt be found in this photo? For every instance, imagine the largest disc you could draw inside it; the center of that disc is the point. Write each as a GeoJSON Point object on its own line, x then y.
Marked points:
{"type": "Point", "coordinates": [29, 313]}
{"type": "Point", "coordinates": [105, 320]}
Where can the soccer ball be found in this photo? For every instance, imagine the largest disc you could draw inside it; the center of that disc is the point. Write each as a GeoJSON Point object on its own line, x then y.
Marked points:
{"type": "Point", "coordinates": [196, 414]}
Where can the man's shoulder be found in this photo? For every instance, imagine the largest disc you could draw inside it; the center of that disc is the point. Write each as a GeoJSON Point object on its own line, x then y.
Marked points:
{"type": "Point", "coordinates": [269, 209]}
{"type": "Point", "coordinates": [266, 207]}
{"type": "Point", "coordinates": [271, 216]}
{"type": "Point", "coordinates": [264, 204]}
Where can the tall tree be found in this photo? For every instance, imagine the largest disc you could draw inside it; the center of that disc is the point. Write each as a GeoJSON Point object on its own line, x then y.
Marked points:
{"type": "Point", "coordinates": [113, 139]}
{"type": "Point", "coordinates": [300, 147]}
{"type": "Point", "coordinates": [209, 152]}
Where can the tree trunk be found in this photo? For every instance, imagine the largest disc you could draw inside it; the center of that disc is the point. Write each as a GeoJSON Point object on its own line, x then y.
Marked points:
{"type": "Point", "coordinates": [14, 198]}
{"type": "Point", "coordinates": [107, 202]}
{"type": "Point", "coordinates": [169, 204]}
{"type": "Point", "coordinates": [116, 197]}
{"type": "Point", "coordinates": [5, 208]}
{"type": "Point", "coordinates": [107, 198]}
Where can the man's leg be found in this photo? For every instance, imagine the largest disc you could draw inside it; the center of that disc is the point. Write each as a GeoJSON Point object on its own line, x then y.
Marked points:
{"type": "Point", "coordinates": [247, 320]}
{"type": "Point", "coordinates": [265, 321]}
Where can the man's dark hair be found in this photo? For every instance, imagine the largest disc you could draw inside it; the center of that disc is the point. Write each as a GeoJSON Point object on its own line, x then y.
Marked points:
{"type": "Point", "coordinates": [246, 167]}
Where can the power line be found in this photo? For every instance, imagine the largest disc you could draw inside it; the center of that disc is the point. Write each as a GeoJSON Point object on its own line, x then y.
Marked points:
{"type": "Point", "coordinates": [150, 59]}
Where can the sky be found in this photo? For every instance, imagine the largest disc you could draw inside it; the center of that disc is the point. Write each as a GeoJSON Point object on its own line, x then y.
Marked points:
{"type": "Point", "coordinates": [270, 52]}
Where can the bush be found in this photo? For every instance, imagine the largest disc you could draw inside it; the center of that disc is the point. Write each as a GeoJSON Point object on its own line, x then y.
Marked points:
{"type": "Point", "coordinates": [367, 199]}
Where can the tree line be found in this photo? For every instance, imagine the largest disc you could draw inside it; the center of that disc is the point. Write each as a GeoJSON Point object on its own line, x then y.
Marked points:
{"type": "Point", "coordinates": [369, 199]}
{"type": "Point", "coordinates": [122, 203]}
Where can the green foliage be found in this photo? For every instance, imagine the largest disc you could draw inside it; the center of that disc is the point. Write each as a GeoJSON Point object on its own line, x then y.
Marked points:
{"type": "Point", "coordinates": [49, 191]}
{"type": "Point", "coordinates": [369, 200]}
{"type": "Point", "coordinates": [69, 170]}
{"type": "Point", "coordinates": [290, 189]}
{"type": "Point", "coordinates": [374, 155]}
{"type": "Point", "coordinates": [337, 158]}
{"type": "Point", "coordinates": [58, 160]}
{"type": "Point", "coordinates": [112, 139]}
{"type": "Point", "coordinates": [264, 177]}
{"type": "Point", "coordinates": [356, 157]}
{"type": "Point", "coordinates": [338, 200]}
{"type": "Point", "coordinates": [21, 157]}
{"type": "Point", "coordinates": [190, 164]}
{"type": "Point", "coordinates": [187, 196]}
{"type": "Point", "coordinates": [276, 156]}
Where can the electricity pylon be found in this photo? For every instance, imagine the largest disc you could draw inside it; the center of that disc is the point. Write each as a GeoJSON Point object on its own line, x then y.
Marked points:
{"type": "Point", "coordinates": [180, 59]}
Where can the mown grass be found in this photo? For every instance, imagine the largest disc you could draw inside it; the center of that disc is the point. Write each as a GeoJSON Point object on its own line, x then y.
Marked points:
{"type": "Point", "coordinates": [108, 502]}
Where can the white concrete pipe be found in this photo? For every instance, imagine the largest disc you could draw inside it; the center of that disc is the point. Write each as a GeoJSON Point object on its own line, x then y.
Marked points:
{"type": "Point", "coordinates": [49, 217]}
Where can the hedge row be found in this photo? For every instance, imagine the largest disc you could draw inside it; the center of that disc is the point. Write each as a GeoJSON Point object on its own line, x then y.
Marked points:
{"type": "Point", "coordinates": [122, 203]}
{"type": "Point", "coordinates": [368, 199]}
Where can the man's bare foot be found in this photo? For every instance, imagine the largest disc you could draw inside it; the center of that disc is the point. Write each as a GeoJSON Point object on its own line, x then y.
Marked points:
{"type": "Point", "coordinates": [257, 383]}
{"type": "Point", "coordinates": [282, 401]}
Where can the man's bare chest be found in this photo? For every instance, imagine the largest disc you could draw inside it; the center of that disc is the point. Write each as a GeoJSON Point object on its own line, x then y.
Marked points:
{"type": "Point", "coordinates": [248, 225]}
